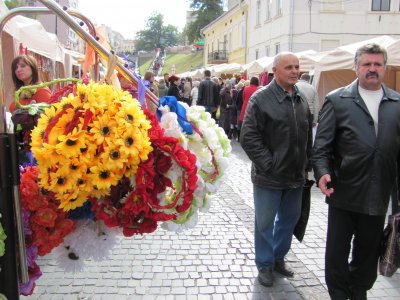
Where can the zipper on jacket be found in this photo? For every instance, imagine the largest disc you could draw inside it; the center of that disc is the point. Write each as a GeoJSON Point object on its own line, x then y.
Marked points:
{"type": "Point", "coordinates": [297, 130]}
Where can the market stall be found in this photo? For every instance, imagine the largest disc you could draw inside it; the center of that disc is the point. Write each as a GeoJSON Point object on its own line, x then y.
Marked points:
{"type": "Point", "coordinates": [106, 166]}
{"type": "Point", "coordinates": [336, 68]}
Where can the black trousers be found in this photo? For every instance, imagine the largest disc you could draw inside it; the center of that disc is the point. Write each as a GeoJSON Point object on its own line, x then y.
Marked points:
{"type": "Point", "coordinates": [352, 280]}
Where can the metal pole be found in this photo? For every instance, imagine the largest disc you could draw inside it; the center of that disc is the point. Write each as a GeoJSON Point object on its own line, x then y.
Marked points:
{"type": "Point", "coordinates": [8, 263]}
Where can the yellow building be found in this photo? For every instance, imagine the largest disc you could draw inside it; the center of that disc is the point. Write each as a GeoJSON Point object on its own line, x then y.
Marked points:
{"type": "Point", "coordinates": [225, 39]}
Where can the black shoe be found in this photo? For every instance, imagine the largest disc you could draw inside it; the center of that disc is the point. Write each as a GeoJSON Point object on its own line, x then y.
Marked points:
{"type": "Point", "coordinates": [281, 268]}
{"type": "Point", "coordinates": [265, 277]}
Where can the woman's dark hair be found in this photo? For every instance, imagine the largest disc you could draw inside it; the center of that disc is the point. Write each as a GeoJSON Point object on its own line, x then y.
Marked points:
{"type": "Point", "coordinates": [254, 81]}
{"type": "Point", "coordinates": [32, 63]}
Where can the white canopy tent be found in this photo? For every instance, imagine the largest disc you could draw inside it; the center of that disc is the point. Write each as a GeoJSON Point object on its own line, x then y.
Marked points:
{"type": "Point", "coordinates": [307, 60]}
{"type": "Point", "coordinates": [336, 68]}
{"type": "Point", "coordinates": [218, 70]}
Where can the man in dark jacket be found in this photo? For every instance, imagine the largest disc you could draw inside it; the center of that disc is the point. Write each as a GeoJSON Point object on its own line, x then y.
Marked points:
{"type": "Point", "coordinates": [355, 160]}
{"type": "Point", "coordinates": [277, 137]}
{"type": "Point", "coordinates": [208, 94]}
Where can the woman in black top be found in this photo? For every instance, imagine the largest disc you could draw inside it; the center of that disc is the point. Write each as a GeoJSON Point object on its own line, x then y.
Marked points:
{"type": "Point", "coordinates": [173, 87]}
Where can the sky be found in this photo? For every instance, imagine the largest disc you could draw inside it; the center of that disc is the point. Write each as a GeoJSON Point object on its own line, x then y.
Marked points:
{"type": "Point", "coordinates": [129, 16]}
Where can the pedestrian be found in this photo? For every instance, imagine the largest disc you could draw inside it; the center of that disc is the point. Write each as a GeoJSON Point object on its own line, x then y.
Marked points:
{"type": "Point", "coordinates": [194, 94]}
{"type": "Point", "coordinates": [25, 72]}
{"type": "Point", "coordinates": [247, 92]}
{"type": "Point", "coordinates": [208, 94]}
{"type": "Point", "coordinates": [355, 158]}
{"type": "Point", "coordinates": [166, 76]}
{"type": "Point", "coordinates": [238, 102]}
{"type": "Point", "coordinates": [225, 108]}
{"type": "Point", "coordinates": [162, 88]}
{"type": "Point", "coordinates": [264, 77]}
{"type": "Point", "coordinates": [187, 88]}
{"type": "Point", "coordinates": [276, 135]}
{"type": "Point", "coordinates": [310, 94]}
{"type": "Point", "coordinates": [149, 76]}
{"type": "Point", "coordinates": [173, 87]}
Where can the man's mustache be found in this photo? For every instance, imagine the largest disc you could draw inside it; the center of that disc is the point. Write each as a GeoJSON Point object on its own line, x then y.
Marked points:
{"type": "Point", "coordinates": [372, 74]}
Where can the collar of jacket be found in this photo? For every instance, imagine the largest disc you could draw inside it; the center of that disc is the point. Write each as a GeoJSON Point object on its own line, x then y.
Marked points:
{"type": "Point", "coordinates": [281, 94]}
{"type": "Point", "coordinates": [351, 91]}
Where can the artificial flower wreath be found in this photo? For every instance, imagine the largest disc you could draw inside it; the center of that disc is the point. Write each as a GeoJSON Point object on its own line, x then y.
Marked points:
{"type": "Point", "coordinates": [161, 189]}
{"type": "Point", "coordinates": [88, 141]}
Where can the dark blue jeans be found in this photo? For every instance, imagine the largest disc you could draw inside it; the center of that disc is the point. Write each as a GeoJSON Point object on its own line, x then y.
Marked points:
{"type": "Point", "coordinates": [276, 215]}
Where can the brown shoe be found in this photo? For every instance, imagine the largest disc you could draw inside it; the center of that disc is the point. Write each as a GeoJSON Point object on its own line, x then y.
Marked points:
{"type": "Point", "coordinates": [283, 269]}
{"type": "Point", "coordinates": [265, 277]}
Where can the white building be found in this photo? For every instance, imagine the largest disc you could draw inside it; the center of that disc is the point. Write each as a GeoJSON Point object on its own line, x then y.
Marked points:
{"type": "Point", "coordinates": [297, 25]}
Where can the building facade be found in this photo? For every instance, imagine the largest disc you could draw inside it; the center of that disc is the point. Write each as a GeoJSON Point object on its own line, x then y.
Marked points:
{"type": "Point", "coordinates": [272, 26]}
{"type": "Point", "coordinates": [225, 37]}
{"type": "Point", "coordinates": [52, 23]}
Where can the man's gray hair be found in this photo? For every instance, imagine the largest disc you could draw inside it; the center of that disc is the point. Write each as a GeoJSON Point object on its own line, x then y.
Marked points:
{"type": "Point", "coordinates": [371, 49]}
{"type": "Point", "coordinates": [278, 57]}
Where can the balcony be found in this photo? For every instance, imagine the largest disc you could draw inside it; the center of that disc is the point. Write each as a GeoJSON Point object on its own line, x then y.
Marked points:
{"type": "Point", "coordinates": [218, 57]}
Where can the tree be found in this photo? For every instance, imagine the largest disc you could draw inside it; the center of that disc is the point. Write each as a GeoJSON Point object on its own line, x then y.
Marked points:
{"type": "Point", "coordinates": [156, 35]}
{"type": "Point", "coordinates": [12, 4]}
{"type": "Point", "coordinates": [205, 12]}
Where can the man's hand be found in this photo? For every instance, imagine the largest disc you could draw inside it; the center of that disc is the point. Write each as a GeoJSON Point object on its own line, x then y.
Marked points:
{"type": "Point", "coordinates": [323, 185]}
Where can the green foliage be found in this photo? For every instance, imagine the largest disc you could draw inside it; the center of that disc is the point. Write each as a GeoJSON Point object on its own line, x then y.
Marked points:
{"type": "Point", "coordinates": [205, 11]}
{"type": "Point", "coordinates": [12, 4]}
{"type": "Point", "coordinates": [182, 62]}
{"type": "Point", "coordinates": [156, 35]}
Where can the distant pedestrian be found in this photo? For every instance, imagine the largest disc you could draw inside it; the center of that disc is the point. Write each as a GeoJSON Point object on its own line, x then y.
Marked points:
{"type": "Point", "coordinates": [173, 87]}
{"type": "Point", "coordinates": [308, 92]}
{"type": "Point", "coordinates": [208, 94]}
{"type": "Point", "coordinates": [187, 88]}
{"type": "Point", "coordinates": [195, 92]}
{"type": "Point", "coordinates": [162, 88]}
{"type": "Point", "coordinates": [356, 159]}
{"type": "Point", "coordinates": [276, 135]}
{"type": "Point", "coordinates": [247, 92]}
{"type": "Point", "coordinates": [225, 108]}
{"type": "Point", "coordinates": [166, 76]}
{"type": "Point", "coordinates": [264, 77]}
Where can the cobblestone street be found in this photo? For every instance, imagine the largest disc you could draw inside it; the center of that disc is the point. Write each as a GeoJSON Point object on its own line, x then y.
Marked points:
{"type": "Point", "coordinates": [215, 260]}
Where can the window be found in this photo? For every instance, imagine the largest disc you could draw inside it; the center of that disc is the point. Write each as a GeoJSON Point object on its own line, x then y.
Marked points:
{"type": "Point", "coordinates": [331, 5]}
{"type": "Point", "coordinates": [380, 5]}
{"type": "Point", "coordinates": [278, 7]}
{"type": "Point", "coordinates": [267, 51]}
{"type": "Point", "coordinates": [243, 34]}
{"type": "Point", "coordinates": [256, 53]}
{"type": "Point", "coordinates": [230, 41]}
{"type": "Point", "coordinates": [269, 10]}
{"type": "Point", "coordinates": [258, 12]}
{"type": "Point", "coordinates": [277, 48]}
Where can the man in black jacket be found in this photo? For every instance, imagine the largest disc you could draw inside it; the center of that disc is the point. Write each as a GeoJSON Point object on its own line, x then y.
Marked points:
{"type": "Point", "coordinates": [277, 136]}
{"type": "Point", "coordinates": [355, 160]}
{"type": "Point", "coordinates": [208, 94]}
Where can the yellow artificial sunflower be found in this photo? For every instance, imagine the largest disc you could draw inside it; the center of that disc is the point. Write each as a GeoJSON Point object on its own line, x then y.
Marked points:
{"type": "Point", "coordinates": [71, 201]}
{"type": "Point", "coordinates": [70, 145]}
{"type": "Point", "coordinates": [102, 177]}
{"type": "Point", "coordinates": [103, 128]}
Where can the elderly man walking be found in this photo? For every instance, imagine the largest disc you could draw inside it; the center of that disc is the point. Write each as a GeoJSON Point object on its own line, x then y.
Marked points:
{"type": "Point", "coordinates": [276, 135]}
{"type": "Point", "coordinates": [356, 159]}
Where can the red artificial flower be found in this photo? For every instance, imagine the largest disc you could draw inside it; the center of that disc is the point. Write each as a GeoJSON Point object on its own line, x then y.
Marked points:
{"type": "Point", "coordinates": [45, 217]}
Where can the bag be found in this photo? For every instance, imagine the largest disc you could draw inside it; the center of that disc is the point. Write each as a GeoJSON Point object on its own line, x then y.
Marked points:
{"type": "Point", "coordinates": [300, 228]}
{"type": "Point", "coordinates": [389, 259]}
